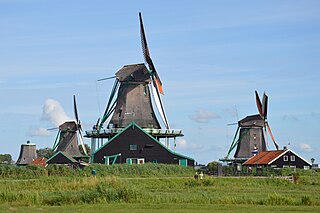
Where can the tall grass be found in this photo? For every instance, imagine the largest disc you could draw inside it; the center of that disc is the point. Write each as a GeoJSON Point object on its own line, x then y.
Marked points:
{"type": "Point", "coordinates": [93, 190]}
{"type": "Point", "coordinates": [121, 170]}
{"type": "Point", "coordinates": [149, 183]}
{"type": "Point", "coordinates": [145, 170]}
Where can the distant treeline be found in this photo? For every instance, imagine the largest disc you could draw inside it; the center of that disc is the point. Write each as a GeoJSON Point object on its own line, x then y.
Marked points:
{"type": "Point", "coordinates": [5, 159]}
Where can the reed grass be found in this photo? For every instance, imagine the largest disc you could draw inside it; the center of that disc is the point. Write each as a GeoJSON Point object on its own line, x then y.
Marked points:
{"type": "Point", "coordinates": [149, 184]}
{"type": "Point", "coordinates": [60, 191]}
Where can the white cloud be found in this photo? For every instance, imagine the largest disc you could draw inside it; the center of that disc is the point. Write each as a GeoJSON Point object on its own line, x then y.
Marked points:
{"type": "Point", "coordinates": [39, 132]}
{"type": "Point", "coordinates": [182, 144]}
{"type": "Point", "coordinates": [203, 116]}
{"type": "Point", "coordinates": [53, 112]}
{"type": "Point", "coordinates": [290, 118]}
{"type": "Point", "coordinates": [305, 147]}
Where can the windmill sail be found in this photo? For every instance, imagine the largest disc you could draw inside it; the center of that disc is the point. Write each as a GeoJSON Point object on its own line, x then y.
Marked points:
{"type": "Point", "coordinates": [259, 105]}
{"type": "Point", "coordinates": [271, 135]}
{"type": "Point", "coordinates": [265, 105]}
{"type": "Point", "coordinates": [79, 127]}
{"type": "Point", "coordinates": [156, 78]}
{"type": "Point", "coordinates": [158, 102]}
{"type": "Point", "coordinates": [156, 82]}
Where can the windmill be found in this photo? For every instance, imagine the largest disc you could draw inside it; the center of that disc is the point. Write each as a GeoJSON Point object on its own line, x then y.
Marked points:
{"type": "Point", "coordinates": [68, 135]}
{"type": "Point", "coordinates": [136, 97]}
{"type": "Point", "coordinates": [130, 98]}
{"type": "Point", "coordinates": [27, 154]}
{"type": "Point", "coordinates": [252, 136]}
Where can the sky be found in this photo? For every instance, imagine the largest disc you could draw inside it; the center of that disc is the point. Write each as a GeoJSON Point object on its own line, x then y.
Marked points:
{"type": "Point", "coordinates": [211, 56]}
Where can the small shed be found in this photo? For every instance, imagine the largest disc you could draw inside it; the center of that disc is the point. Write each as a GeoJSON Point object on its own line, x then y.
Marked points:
{"type": "Point", "coordinates": [62, 158]}
{"type": "Point", "coordinates": [285, 158]}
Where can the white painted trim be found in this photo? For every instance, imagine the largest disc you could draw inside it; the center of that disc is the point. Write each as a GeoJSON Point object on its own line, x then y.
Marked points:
{"type": "Point", "coordinates": [278, 157]}
{"type": "Point", "coordinates": [293, 153]}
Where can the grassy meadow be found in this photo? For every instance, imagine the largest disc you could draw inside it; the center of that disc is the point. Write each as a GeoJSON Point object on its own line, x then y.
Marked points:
{"type": "Point", "coordinates": [146, 188]}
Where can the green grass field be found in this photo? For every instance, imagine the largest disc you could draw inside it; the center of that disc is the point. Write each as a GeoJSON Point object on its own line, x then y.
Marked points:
{"type": "Point", "coordinates": [156, 191]}
{"type": "Point", "coordinates": [160, 208]}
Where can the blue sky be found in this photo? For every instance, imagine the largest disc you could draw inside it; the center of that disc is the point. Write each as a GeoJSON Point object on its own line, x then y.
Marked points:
{"type": "Point", "coordinates": [211, 56]}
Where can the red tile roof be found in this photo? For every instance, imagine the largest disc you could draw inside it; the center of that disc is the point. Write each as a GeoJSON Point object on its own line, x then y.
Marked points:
{"type": "Point", "coordinates": [40, 161]}
{"type": "Point", "coordinates": [264, 158]}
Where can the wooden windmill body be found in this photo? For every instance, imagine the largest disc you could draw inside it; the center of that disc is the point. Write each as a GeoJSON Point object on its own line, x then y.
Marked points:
{"type": "Point", "coordinates": [134, 98]}
{"type": "Point", "coordinates": [252, 137]}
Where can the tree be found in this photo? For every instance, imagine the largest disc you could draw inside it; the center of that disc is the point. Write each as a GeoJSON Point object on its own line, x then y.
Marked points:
{"type": "Point", "coordinates": [5, 158]}
{"type": "Point", "coordinates": [213, 167]}
{"type": "Point", "coordinates": [87, 149]}
{"type": "Point", "coordinates": [45, 152]}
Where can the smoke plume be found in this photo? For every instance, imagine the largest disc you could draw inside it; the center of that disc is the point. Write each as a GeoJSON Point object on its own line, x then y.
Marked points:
{"type": "Point", "coordinates": [54, 113]}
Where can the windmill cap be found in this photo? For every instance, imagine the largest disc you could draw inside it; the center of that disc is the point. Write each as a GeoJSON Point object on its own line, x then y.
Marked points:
{"type": "Point", "coordinates": [29, 143]}
{"type": "Point", "coordinates": [136, 72]}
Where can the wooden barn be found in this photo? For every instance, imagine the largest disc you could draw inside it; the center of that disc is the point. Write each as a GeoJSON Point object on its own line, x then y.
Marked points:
{"type": "Point", "coordinates": [133, 145]}
{"type": "Point", "coordinates": [285, 158]}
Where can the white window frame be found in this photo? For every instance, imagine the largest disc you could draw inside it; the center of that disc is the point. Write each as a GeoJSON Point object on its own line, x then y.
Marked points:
{"type": "Point", "coordinates": [306, 167]}
{"type": "Point", "coordinates": [292, 158]}
{"type": "Point", "coordinates": [129, 160]}
{"type": "Point", "coordinates": [285, 158]}
{"type": "Point", "coordinates": [140, 159]}
{"type": "Point", "coordinates": [285, 166]}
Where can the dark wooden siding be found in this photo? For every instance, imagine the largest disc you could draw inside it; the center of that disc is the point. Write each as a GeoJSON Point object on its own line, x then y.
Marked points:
{"type": "Point", "coordinates": [299, 163]}
{"type": "Point", "coordinates": [147, 148]}
{"type": "Point", "coordinates": [59, 159]}
{"type": "Point", "coordinates": [250, 138]}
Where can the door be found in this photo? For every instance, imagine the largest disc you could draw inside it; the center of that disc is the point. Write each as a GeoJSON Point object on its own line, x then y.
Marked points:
{"type": "Point", "coordinates": [183, 162]}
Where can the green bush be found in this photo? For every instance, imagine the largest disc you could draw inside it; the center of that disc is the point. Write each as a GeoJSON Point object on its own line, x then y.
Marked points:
{"type": "Point", "coordinates": [143, 170]}
{"type": "Point", "coordinates": [60, 170]}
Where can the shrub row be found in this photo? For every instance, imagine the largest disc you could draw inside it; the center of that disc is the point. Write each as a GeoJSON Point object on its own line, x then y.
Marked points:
{"type": "Point", "coordinates": [123, 170]}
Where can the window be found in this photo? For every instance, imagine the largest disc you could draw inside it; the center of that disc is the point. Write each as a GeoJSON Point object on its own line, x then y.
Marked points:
{"type": "Point", "coordinates": [141, 161]}
{"type": "Point", "coordinates": [293, 158]}
{"type": "Point", "coordinates": [133, 147]}
{"type": "Point", "coordinates": [135, 160]}
{"type": "Point", "coordinates": [285, 158]}
{"type": "Point", "coordinates": [306, 167]}
{"type": "Point", "coordinates": [285, 166]}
